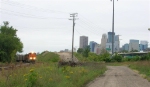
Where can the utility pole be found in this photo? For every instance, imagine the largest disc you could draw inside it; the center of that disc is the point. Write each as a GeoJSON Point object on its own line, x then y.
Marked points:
{"type": "Point", "coordinates": [113, 30]}
{"type": "Point", "coordinates": [73, 15]}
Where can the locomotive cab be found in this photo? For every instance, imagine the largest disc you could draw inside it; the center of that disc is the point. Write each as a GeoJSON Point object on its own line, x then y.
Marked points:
{"type": "Point", "coordinates": [32, 56]}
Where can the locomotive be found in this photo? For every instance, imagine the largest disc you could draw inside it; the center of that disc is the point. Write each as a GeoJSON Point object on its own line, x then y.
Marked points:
{"type": "Point", "coordinates": [30, 57]}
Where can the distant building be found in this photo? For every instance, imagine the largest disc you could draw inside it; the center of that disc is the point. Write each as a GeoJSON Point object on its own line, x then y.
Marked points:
{"type": "Point", "coordinates": [134, 45]}
{"type": "Point", "coordinates": [103, 41]}
{"type": "Point", "coordinates": [97, 49]}
{"type": "Point", "coordinates": [116, 42]}
{"type": "Point", "coordinates": [66, 50]}
{"type": "Point", "coordinates": [92, 46]}
{"type": "Point", "coordinates": [109, 47]}
{"type": "Point", "coordinates": [125, 47]}
{"type": "Point", "coordinates": [116, 46]}
{"type": "Point", "coordinates": [83, 41]}
{"type": "Point", "coordinates": [110, 37]}
{"type": "Point", "coordinates": [143, 45]}
{"type": "Point", "coordinates": [116, 38]}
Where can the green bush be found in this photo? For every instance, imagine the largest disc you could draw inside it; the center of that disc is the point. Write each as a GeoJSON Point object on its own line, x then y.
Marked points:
{"type": "Point", "coordinates": [48, 57]}
{"type": "Point", "coordinates": [117, 58]}
{"type": "Point", "coordinates": [107, 59]}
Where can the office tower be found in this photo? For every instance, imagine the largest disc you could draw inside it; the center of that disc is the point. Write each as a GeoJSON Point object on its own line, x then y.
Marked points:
{"type": "Point", "coordinates": [103, 41]}
{"type": "Point", "coordinates": [110, 37]}
{"type": "Point", "coordinates": [92, 46]}
{"type": "Point", "coordinates": [133, 45]}
{"type": "Point", "coordinates": [83, 41]}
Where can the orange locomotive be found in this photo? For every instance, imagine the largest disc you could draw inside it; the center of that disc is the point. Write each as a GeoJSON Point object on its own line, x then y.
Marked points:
{"type": "Point", "coordinates": [30, 57]}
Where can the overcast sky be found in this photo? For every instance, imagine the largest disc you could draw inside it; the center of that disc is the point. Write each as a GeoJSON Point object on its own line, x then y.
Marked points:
{"type": "Point", "coordinates": [44, 25]}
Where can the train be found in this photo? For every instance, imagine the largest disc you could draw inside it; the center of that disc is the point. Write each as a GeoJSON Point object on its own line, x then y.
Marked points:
{"type": "Point", "coordinates": [30, 57]}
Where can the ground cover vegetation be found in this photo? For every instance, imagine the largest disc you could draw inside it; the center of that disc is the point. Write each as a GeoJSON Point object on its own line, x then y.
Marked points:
{"type": "Point", "coordinates": [143, 67]}
{"type": "Point", "coordinates": [45, 73]}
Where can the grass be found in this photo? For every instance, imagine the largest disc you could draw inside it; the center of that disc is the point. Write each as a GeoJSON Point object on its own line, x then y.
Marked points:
{"type": "Point", "coordinates": [47, 74]}
{"type": "Point", "coordinates": [143, 67]}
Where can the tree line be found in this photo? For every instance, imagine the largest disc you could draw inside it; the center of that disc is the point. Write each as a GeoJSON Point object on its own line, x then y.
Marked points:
{"type": "Point", "coordinates": [86, 55]}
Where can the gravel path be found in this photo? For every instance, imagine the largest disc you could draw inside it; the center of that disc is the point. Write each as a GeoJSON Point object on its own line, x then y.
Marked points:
{"type": "Point", "coordinates": [119, 76]}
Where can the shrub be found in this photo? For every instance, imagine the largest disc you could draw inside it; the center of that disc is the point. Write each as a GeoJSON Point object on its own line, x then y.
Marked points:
{"type": "Point", "coordinates": [32, 78]}
{"type": "Point", "coordinates": [117, 58]}
{"type": "Point", "coordinates": [107, 59]}
{"type": "Point", "coordinates": [48, 57]}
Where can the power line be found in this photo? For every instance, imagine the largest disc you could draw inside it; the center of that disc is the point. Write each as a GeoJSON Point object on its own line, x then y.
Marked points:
{"type": "Point", "coordinates": [88, 30]}
{"type": "Point", "coordinates": [78, 31]}
{"type": "Point", "coordinates": [26, 15]}
{"type": "Point", "coordinates": [13, 3]}
{"type": "Point", "coordinates": [90, 22]}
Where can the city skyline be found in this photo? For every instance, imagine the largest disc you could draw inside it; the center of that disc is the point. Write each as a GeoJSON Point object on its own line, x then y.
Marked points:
{"type": "Point", "coordinates": [44, 25]}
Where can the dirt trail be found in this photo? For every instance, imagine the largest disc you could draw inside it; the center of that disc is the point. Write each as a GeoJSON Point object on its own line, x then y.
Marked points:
{"type": "Point", "coordinates": [119, 76]}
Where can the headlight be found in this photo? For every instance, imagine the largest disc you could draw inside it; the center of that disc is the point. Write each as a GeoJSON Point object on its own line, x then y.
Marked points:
{"type": "Point", "coordinates": [34, 58]}
{"type": "Point", "coordinates": [30, 58]}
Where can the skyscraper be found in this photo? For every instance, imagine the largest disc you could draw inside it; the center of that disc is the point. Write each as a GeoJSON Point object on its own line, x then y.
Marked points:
{"type": "Point", "coordinates": [110, 37]}
{"type": "Point", "coordinates": [125, 47]}
{"type": "Point", "coordinates": [143, 45]}
{"type": "Point", "coordinates": [116, 43]}
{"type": "Point", "coordinates": [97, 49]}
{"type": "Point", "coordinates": [92, 46]}
{"type": "Point", "coordinates": [83, 41]}
{"type": "Point", "coordinates": [134, 45]}
{"type": "Point", "coordinates": [103, 41]}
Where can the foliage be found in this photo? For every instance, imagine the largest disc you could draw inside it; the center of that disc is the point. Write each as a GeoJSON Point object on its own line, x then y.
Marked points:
{"type": "Point", "coordinates": [137, 58]}
{"type": "Point", "coordinates": [48, 75]}
{"type": "Point", "coordinates": [10, 44]}
{"type": "Point", "coordinates": [80, 50]}
{"type": "Point", "coordinates": [142, 67]}
{"type": "Point", "coordinates": [32, 78]}
{"type": "Point", "coordinates": [86, 51]}
{"type": "Point", "coordinates": [117, 58]}
{"type": "Point", "coordinates": [105, 56]}
{"type": "Point", "coordinates": [48, 57]}
{"type": "Point", "coordinates": [134, 50]}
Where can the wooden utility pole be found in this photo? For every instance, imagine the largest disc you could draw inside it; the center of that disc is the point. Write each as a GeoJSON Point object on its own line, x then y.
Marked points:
{"type": "Point", "coordinates": [73, 15]}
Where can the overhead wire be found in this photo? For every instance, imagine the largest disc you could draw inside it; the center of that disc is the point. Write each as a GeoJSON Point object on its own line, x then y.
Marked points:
{"type": "Point", "coordinates": [13, 3]}
{"type": "Point", "coordinates": [22, 5]}
{"type": "Point", "coordinates": [90, 22]}
{"type": "Point", "coordinates": [10, 12]}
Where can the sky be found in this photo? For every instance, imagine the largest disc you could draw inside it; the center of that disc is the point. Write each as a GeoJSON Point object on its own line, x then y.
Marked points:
{"type": "Point", "coordinates": [45, 25]}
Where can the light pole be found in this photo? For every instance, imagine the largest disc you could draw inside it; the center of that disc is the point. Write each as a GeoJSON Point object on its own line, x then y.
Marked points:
{"type": "Point", "coordinates": [113, 30]}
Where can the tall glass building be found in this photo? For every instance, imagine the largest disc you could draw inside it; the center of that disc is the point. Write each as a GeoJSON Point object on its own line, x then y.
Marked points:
{"type": "Point", "coordinates": [110, 37]}
{"type": "Point", "coordinates": [92, 46]}
{"type": "Point", "coordinates": [143, 45]}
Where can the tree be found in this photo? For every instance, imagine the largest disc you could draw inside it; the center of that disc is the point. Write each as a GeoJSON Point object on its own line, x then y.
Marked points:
{"type": "Point", "coordinates": [134, 50]}
{"type": "Point", "coordinates": [86, 51]}
{"type": "Point", "coordinates": [10, 44]}
{"type": "Point", "coordinates": [80, 50]}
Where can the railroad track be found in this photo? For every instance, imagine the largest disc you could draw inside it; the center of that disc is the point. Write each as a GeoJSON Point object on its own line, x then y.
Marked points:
{"type": "Point", "coordinates": [13, 66]}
